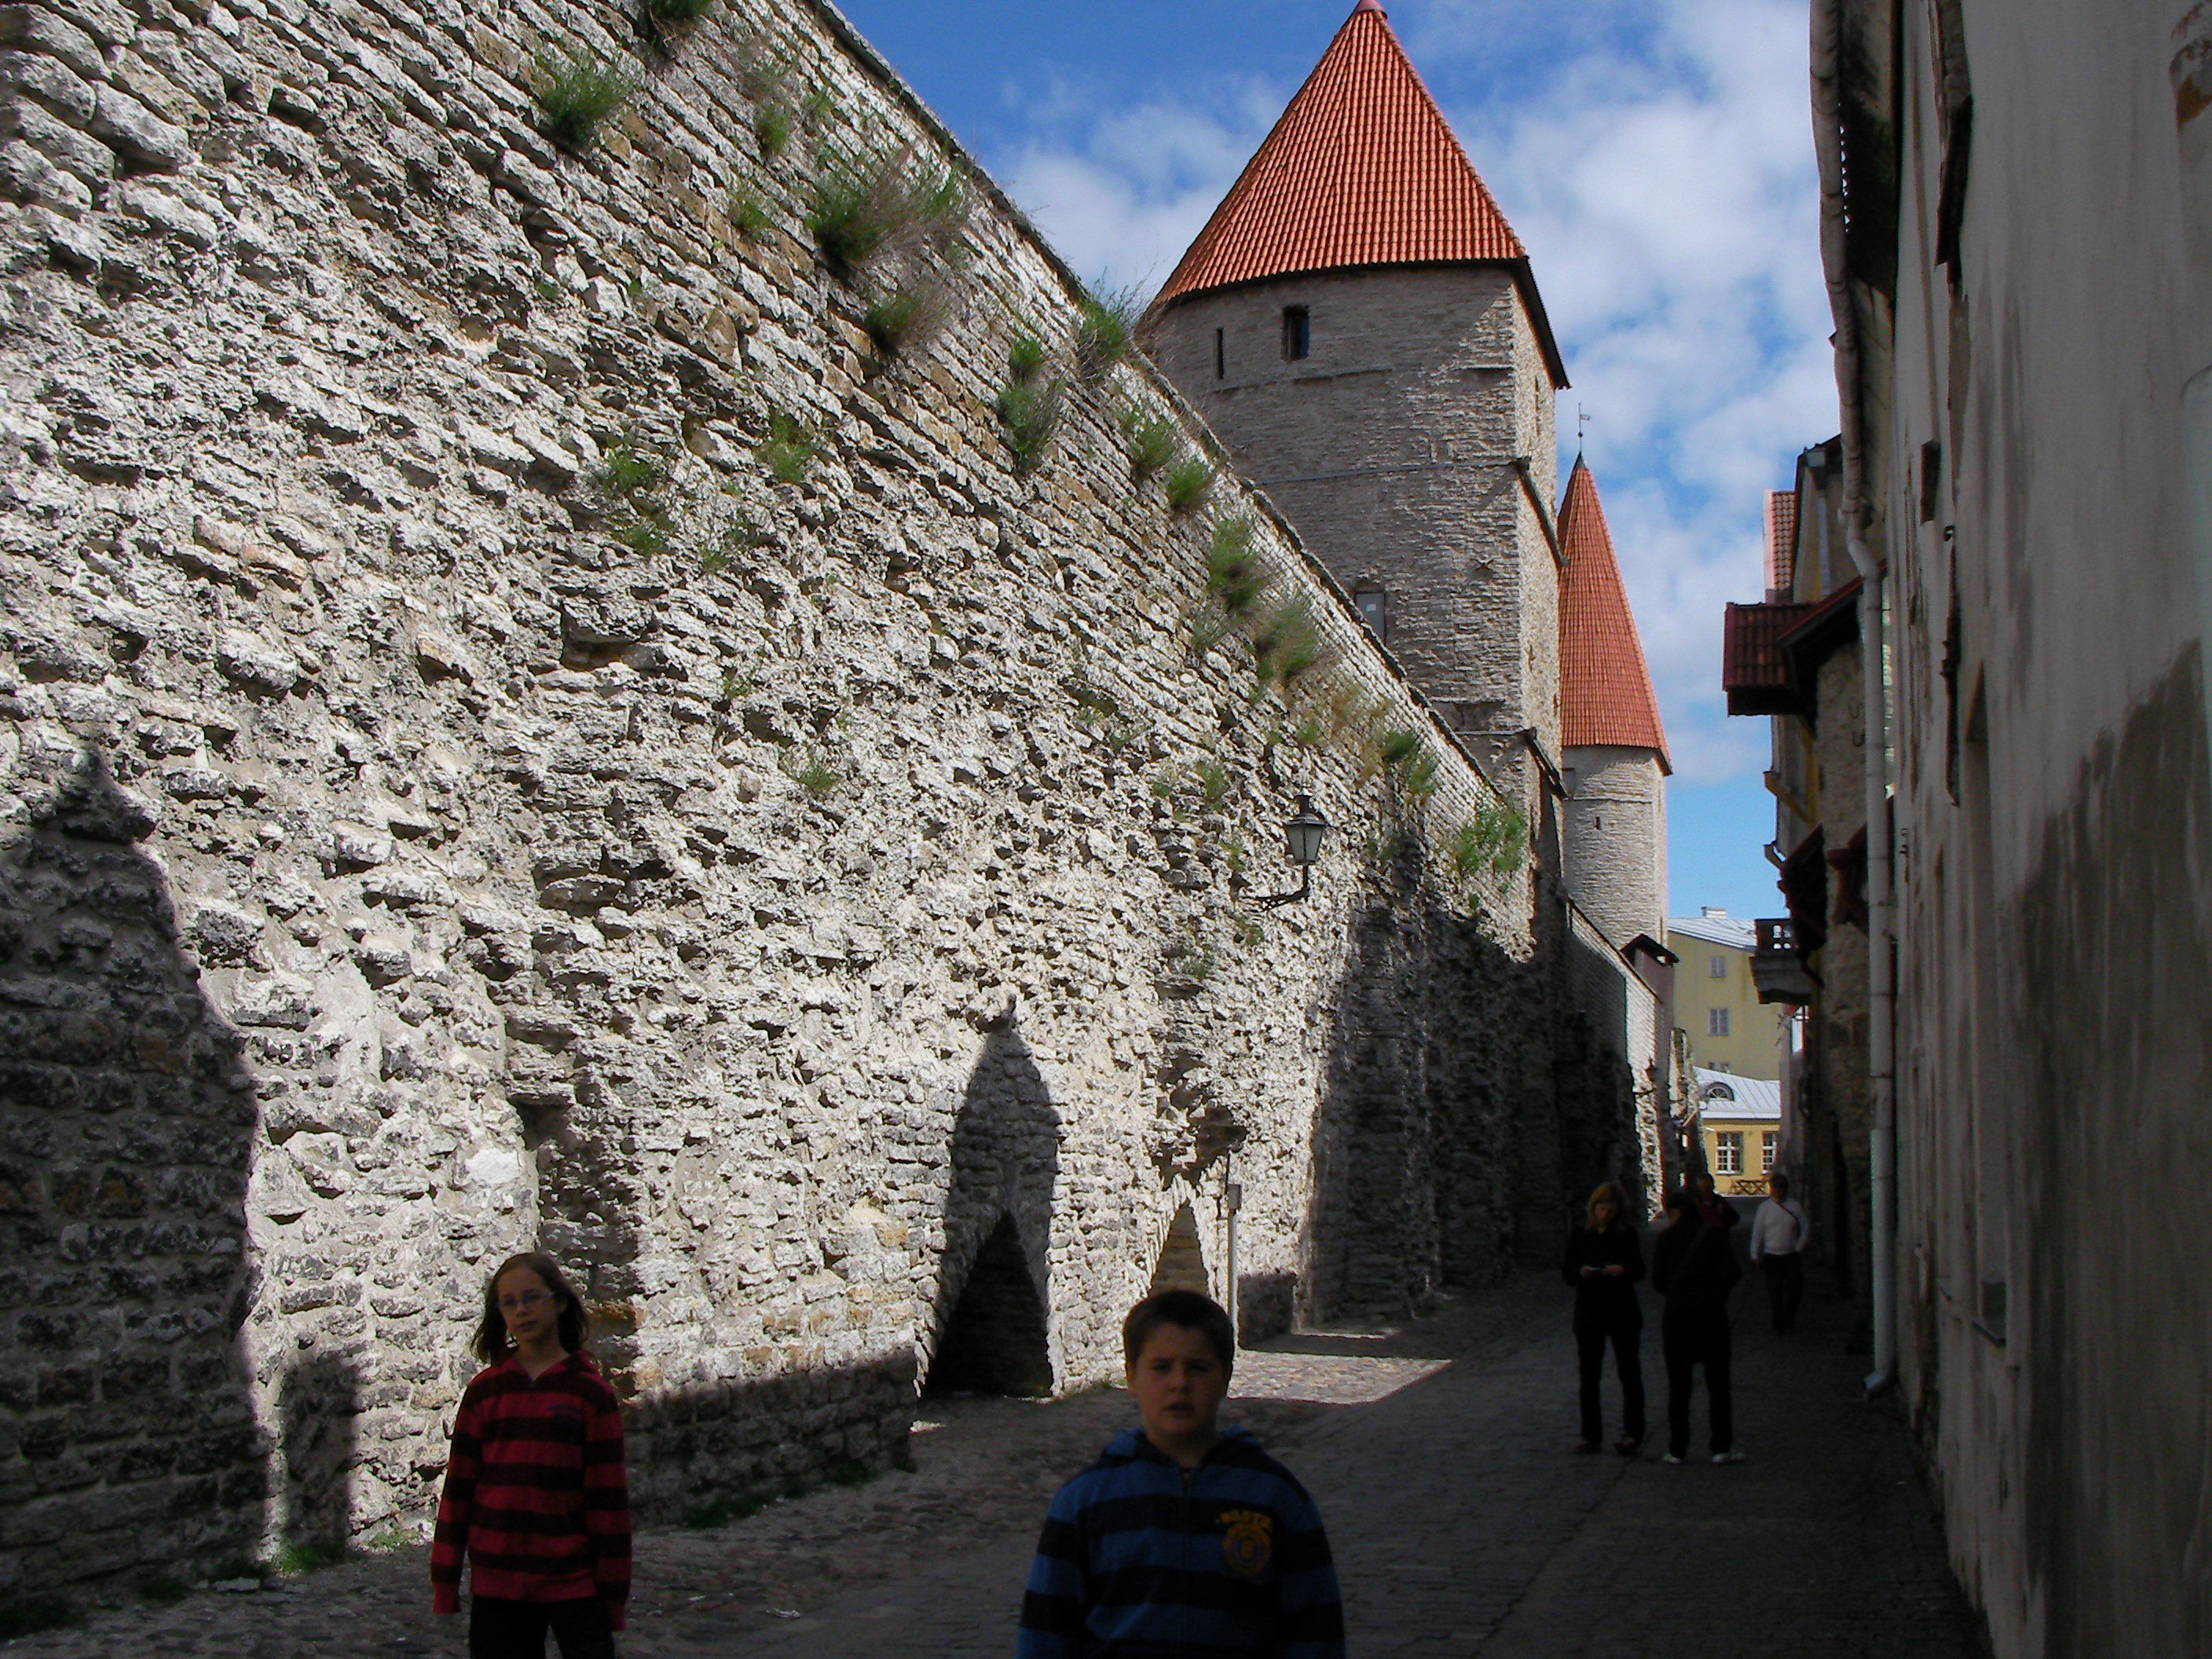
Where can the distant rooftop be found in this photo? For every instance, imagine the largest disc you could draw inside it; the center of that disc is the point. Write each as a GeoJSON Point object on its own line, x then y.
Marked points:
{"type": "Point", "coordinates": [1715, 927]}
{"type": "Point", "coordinates": [1752, 1098]}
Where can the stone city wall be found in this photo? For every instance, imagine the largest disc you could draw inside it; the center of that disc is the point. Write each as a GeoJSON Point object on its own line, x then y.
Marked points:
{"type": "Point", "coordinates": [457, 796]}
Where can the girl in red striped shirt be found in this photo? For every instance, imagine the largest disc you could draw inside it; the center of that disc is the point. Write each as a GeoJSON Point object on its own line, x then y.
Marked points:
{"type": "Point", "coordinates": [536, 1497]}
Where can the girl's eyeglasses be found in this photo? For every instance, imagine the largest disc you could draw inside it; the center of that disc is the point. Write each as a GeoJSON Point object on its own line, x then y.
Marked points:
{"type": "Point", "coordinates": [524, 1303]}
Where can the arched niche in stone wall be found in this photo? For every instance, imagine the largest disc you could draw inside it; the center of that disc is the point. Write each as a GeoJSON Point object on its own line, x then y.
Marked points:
{"type": "Point", "coordinates": [1182, 1263]}
{"type": "Point", "coordinates": [995, 1340]}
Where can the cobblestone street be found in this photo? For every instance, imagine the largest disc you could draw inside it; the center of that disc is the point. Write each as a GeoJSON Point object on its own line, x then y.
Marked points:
{"type": "Point", "coordinates": [1439, 1452]}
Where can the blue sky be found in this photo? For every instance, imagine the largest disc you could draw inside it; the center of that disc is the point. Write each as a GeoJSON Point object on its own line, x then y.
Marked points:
{"type": "Point", "coordinates": [1656, 156]}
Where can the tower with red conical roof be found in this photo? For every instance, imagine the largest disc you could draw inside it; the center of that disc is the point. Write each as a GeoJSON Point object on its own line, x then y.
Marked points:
{"type": "Point", "coordinates": [1614, 827]}
{"type": "Point", "coordinates": [1358, 323]}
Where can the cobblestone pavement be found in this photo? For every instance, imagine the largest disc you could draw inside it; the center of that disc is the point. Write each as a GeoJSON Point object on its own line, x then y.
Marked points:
{"type": "Point", "coordinates": [1439, 1452]}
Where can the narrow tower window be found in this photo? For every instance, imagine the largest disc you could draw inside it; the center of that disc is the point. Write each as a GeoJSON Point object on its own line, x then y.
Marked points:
{"type": "Point", "coordinates": [1220, 353]}
{"type": "Point", "coordinates": [1298, 334]}
{"type": "Point", "coordinates": [1374, 609]}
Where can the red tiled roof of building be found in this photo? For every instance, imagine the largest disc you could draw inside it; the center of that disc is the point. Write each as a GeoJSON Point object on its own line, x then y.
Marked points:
{"type": "Point", "coordinates": [1781, 542]}
{"type": "Point", "coordinates": [1605, 689]}
{"type": "Point", "coordinates": [1361, 169]}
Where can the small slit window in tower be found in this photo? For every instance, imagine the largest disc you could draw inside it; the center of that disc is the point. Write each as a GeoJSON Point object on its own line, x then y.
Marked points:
{"type": "Point", "coordinates": [1220, 353]}
{"type": "Point", "coordinates": [1298, 334]}
{"type": "Point", "coordinates": [1374, 609]}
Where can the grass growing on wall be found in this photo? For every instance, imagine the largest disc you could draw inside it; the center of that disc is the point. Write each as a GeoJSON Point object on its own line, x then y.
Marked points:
{"type": "Point", "coordinates": [1030, 412]}
{"type": "Point", "coordinates": [1493, 843]}
{"type": "Point", "coordinates": [576, 93]}
{"type": "Point", "coordinates": [907, 316]}
{"type": "Point", "coordinates": [1106, 330]}
{"type": "Point", "coordinates": [749, 215]}
{"type": "Point", "coordinates": [1151, 438]}
{"type": "Point", "coordinates": [789, 450]}
{"type": "Point", "coordinates": [1189, 482]}
{"type": "Point", "coordinates": [857, 209]}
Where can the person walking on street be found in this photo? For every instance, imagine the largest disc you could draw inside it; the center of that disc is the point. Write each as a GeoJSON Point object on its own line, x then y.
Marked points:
{"type": "Point", "coordinates": [1779, 1233]}
{"type": "Point", "coordinates": [1604, 1262]}
{"type": "Point", "coordinates": [1694, 1267]}
{"type": "Point", "coordinates": [1711, 1205]}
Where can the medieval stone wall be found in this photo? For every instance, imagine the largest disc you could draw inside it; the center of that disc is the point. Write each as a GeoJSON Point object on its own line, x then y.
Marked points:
{"type": "Point", "coordinates": [456, 795]}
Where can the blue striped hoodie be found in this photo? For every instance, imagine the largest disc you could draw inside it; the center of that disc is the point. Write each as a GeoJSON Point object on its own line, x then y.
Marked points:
{"type": "Point", "coordinates": [1143, 1560]}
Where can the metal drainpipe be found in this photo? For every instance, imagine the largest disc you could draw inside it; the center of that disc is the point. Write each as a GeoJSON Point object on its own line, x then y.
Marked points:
{"type": "Point", "coordinates": [1828, 145]}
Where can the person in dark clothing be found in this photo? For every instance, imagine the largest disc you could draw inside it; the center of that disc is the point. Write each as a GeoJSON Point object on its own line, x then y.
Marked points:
{"type": "Point", "coordinates": [1694, 1267]}
{"type": "Point", "coordinates": [1603, 1263]}
{"type": "Point", "coordinates": [1711, 1206]}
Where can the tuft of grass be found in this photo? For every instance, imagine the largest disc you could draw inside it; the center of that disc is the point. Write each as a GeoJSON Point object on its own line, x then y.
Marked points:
{"type": "Point", "coordinates": [575, 93]}
{"type": "Point", "coordinates": [1025, 355]}
{"type": "Point", "coordinates": [817, 778]}
{"type": "Point", "coordinates": [1235, 580]}
{"type": "Point", "coordinates": [1030, 412]}
{"type": "Point", "coordinates": [857, 209]}
{"type": "Point", "coordinates": [773, 126]}
{"type": "Point", "coordinates": [28, 1614]}
{"type": "Point", "coordinates": [1151, 438]}
{"type": "Point", "coordinates": [1106, 331]}
{"type": "Point", "coordinates": [390, 1536]}
{"type": "Point", "coordinates": [644, 534]}
{"type": "Point", "coordinates": [818, 108]}
{"type": "Point", "coordinates": [737, 683]}
{"type": "Point", "coordinates": [1308, 730]}
{"type": "Point", "coordinates": [1189, 482]}
{"type": "Point", "coordinates": [749, 215]}
{"type": "Point", "coordinates": [628, 470]}
{"type": "Point", "coordinates": [909, 315]}
{"type": "Point", "coordinates": [312, 1557]}
{"type": "Point", "coordinates": [1212, 781]}
{"type": "Point", "coordinates": [1419, 776]}
{"type": "Point", "coordinates": [675, 13]}
{"type": "Point", "coordinates": [1395, 748]}
{"type": "Point", "coordinates": [1494, 843]}
{"type": "Point", "coordinates": [1287, 643]}
{"type": "Point", "coordinates": [789, 450]}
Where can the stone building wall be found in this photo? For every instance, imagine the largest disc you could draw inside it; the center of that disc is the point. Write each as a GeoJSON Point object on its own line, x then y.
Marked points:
{"type": "Point", "coordinates": [1392, 448]}
{"type": "Point", "coordinates": [455, 797]}
{"type": "Point", "coordinates": [1614, 838]}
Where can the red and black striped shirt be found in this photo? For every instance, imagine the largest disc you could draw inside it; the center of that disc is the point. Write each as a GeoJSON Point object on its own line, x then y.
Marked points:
{"type": "Point", "coordinates": [536, 1497]}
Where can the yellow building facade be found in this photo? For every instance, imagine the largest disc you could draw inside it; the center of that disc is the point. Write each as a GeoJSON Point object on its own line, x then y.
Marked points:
{"type": "Point", "coordinates": [1715, 1003]}
{"type": "Point", "coordinates": [1740, 1123]}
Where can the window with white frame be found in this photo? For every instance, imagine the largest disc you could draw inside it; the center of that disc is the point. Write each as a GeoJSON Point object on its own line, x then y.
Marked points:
{"type": "Point", "coordinates": [1727, 1152]}
{"type": "Point", "coordinates": [1769, 1143]}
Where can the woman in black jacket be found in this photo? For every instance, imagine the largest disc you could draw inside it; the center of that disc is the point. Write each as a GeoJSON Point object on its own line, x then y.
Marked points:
{"type": "Point", "coordinates": [1693, 1266]}
{"type": "Point", "coordinates": [1603, 1264]}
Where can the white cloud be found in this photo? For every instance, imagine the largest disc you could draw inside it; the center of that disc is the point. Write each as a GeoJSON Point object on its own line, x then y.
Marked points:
{"type": "Point", "coordinates": [1123, 192]}
{"type": "Point", "coordinates": [1657, 159]}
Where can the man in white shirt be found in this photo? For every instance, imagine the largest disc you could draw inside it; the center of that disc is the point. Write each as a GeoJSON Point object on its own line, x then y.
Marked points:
{"type": "Point", "coordinates": [1778, 1235]}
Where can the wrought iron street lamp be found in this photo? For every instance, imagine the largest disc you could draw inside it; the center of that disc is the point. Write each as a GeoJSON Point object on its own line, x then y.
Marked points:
{"type": "Point", "coordinates": [1302, 838]}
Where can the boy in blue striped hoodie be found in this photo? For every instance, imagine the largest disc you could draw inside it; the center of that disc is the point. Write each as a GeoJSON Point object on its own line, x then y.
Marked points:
{"type": "Point", "coordinates": [1181, 1541]}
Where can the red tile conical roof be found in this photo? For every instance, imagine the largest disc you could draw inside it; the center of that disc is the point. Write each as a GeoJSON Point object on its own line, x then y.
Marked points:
{"type": "Point", "coordinates": [1362, 169]}
{"type": "Point", "coordinates": [1605, 690]}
